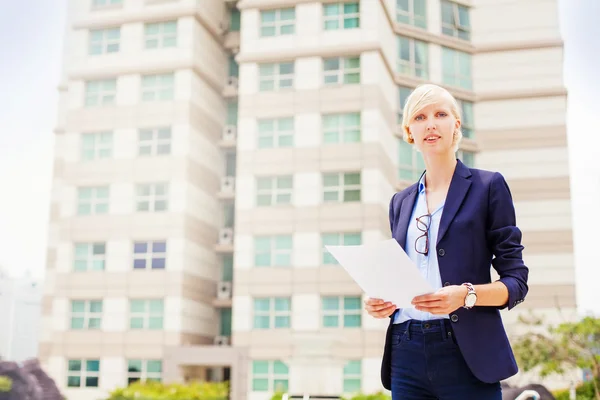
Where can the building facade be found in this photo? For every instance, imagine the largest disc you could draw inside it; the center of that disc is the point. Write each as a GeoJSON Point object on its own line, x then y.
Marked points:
{"type": "Point", "coordinates": [207, 150]}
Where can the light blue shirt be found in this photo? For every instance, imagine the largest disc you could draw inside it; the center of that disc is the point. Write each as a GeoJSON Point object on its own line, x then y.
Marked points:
{"type": "Point", "coordinates": [427, 264]}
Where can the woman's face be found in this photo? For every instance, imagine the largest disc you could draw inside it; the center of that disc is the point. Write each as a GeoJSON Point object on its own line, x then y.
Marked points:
{"type": "Point", "coordinates": [432, 128]}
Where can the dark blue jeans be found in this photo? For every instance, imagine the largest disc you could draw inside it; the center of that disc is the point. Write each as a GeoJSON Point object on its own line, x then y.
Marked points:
{"type": "Point", "coordinates": [427, 365]}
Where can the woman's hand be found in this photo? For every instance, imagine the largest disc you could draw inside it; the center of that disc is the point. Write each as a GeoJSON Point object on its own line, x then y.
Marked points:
{"type": "Point", "coordinates": [444, 301]}
{"type": "Point", "coordinates": [378, 308]}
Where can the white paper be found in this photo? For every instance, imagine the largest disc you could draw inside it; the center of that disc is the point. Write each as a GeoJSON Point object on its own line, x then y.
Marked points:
{"type": "Point", "coordinates": [383, 270]}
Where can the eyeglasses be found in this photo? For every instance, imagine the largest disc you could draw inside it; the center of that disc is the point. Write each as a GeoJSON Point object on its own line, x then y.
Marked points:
{"type": "Point", "coordinates": [422, 242]}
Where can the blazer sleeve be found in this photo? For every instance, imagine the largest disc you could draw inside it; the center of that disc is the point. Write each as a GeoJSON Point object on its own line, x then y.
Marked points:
{"type": "Point", "coordinates": [504, 239]}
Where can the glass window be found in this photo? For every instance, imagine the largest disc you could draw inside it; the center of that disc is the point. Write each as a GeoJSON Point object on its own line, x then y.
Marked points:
{"type": "Point", "coordinates": [278, 22]}
{"type": "Point", "coordinates": [276, 76]}
{"type": "Point", "coordinates": [337, 239]}
{"type": "Point", "coordinates": [341, 16]}
{"type": "Point", "coordinates": [342, 128]}
{"type": "Point", "coordinates": [468, 120]}
{"type": "Point", "coordinates": [86, 314]}
{"type": "Point", "coordinates": [272, 312]}
{"type": "Point", "coordinates": [154, 141]}
{"type": "Point", "coordinates": [146, 314]}
{"type": "Point", "coordinates": [353, 376]}
{"type": "Point", "coordinates": [89, 257]}
{"type": "Point", "coordinates": [83, 373]}
{"type": "Point", "coordinates": [403, 93]}
{"type": "Point", "coordinates": [160, 87]}
{"type": "Point", "coordinates": [104, 3]}
{"type": "Point", "coordinates": [235, 20]}
{"type": "Point", "coordinates": [467, 157]}
{"type": "Point", "coordinates": [341, 70]}
{"type": "Point", "coordinates": [96, 145]}
{"type": "Point", "coordinates": [341, 311]}
{"type": "Point", "coordinates": [225, 319]}
{"type": "Point", "coordinates": [100, 92]}
{"type": "Point", "coordinates": [274, 190]}
{"type": "Point", "coordinates": [232, 113]}
{"type": "Point", "coordinates": [160, 35]}
{"type": "Point", "coordinates": [150, 255]}
{"type": "Point", "coordinates": [104, 41]}
{"type": "Point", "coordinates": [412, 12]}
{"type": "Point", "coordinates": [341, 187]}
{"type": "Point", "coordinates": [273, 251]}
{"type": "Point", "coordinates": [413, 59]}
{"type": "Point", "coordinates": [144, 370]}
{"type": "Point", "coordinates": [152, 197]}
{"type": "Point", "coordinates": [227, 268]}
{"type": "Point", "coordinates": [410, 163]}
{"type": "Point", "coordinates": [456, 67]}
{"type": "Point", "coordinates": [234, 68]}
{"type": "Point", "coordinates": [269, 376]}
{"type": "Point", "coordinates": [274, 133]}
{"type": "Point", "coordinates": [92, 200]}
{"type": "Point", "coordinates": [455, 20]}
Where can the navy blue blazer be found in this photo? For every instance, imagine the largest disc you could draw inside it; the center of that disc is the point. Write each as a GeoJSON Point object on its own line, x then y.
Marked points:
{"type": "Point", "coordinates": [477, 230]}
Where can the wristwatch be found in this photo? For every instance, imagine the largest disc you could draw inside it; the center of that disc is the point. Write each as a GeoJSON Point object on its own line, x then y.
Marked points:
{"type": "Point", "coordinates": [471, 296]}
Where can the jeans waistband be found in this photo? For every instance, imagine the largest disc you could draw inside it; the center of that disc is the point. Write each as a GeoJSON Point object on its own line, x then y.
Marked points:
{"type": "Point", "coordinates": [441, 326]}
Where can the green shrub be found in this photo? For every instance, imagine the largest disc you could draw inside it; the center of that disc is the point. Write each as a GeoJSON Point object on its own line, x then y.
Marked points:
{"type": "Point", "coordinates": [582, 392]}
{"type": "Point", "coordinates": [358, 396]}
{"type": "Point", "coordinates": [5, 384]}
{"type": "Point", "coordinates": [173, 391]}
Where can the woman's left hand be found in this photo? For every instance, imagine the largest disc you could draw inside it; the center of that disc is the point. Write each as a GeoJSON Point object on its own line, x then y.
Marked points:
{"type": "Point", "coordinates": [442, 302]}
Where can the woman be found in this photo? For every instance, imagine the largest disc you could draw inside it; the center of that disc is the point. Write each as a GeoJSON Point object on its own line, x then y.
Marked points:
{"type": "Point", "coordinates": [453, 223]}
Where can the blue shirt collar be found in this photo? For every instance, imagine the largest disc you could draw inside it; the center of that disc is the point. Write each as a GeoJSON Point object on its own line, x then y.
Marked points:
{"type": "Point", "coordinates": [422, 184]}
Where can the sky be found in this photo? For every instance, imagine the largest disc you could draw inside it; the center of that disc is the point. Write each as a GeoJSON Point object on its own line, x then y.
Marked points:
{"type": "Point", "coordinates": [31, 36]}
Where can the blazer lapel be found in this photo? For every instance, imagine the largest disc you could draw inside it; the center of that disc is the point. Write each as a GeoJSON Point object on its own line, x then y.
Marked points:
{"type": "Point", "coordinates": [459, 186]}
{"type": "Point", "coordinates": [406, 209]}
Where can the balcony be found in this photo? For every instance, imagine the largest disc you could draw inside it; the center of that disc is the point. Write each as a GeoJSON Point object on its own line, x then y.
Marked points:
{"type": "Point", "coordinates": [224, 294]}
{"type": "Point", "coordinates": [227, 191]}
{"type": "Point", "coordinates": [229, 137]}
{"type": "Point", "coordinates": [231, 87]}
{"type": "Point", "coordinates": [225, 242]}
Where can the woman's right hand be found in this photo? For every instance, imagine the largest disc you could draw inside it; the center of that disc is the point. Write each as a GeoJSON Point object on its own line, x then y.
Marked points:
{"type": "Point", "coordinates": [378, 308]}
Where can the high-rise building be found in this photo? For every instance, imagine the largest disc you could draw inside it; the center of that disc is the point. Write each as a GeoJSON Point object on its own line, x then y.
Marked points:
{"type": "Point", "coordinates": [207, 150]}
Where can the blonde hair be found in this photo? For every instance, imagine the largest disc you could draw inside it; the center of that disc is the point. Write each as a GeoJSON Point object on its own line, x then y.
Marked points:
{"type": "Point", "coordinates": [424, 96]}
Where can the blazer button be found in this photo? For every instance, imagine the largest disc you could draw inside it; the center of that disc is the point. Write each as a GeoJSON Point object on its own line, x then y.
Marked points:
{"type": "Point", "coordinates": [454, 318]}
{"type": "Point", "coordinates": [447, 284]}
{"type": "Point", "coordinates": [441, 252]}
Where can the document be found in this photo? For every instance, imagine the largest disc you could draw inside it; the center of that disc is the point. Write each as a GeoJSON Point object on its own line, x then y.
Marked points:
{"type": "Point", "coordinates": [383, 270]}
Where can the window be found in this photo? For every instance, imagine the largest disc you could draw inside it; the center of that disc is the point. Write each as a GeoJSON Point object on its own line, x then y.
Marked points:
{"type": "Point", "coordinates": [410, 163]}
{"type": "Point", "coordinates": [403, 93]}
{"type": "Point", "coordinates": [160, 34]}
{"type": "Point", "coordinates": [104, 41]}
{"type": "Point", "coordinates": [152, 197]}
{"type": "Point", "coordinates": [276, 76]}
{"type": "Point", "coordinates": [278, 22]}
{"type": "Point", "coordinates": [337, 239]}
{"type": "Point", "coordinates": [341, 312]}
{"type": "Point", "coordinates": [272, 312]}
{"type": "Point", "coordinates": [341, 16]}
{"type": "Point", "coordinates": [352, 376]}
{"type": "Point", "coordinates": [146, 314]}
{"type": "Point", "coordinates": [456, 67]}
{"type": "Point", "coordinates": [340, 70]}
{"type": "Point", "coordinates": [232, 113]}
{"type": "Point", "coordinates": [100, 92]}
{"type": "Point", "coordinates": [235, 20]}
{"type": "Point", "coordinates": [89, 257]}
{"type": "Point", "coordinates": [86, 314]}
{"type": "Point", "coordinates": [467, 157]}
{"type": "Point", "coordinates": [225, 319]}
{"type": "Point", "coordinates": [154, 141]}
{"type": "Point", "coordinates": [229, 215]}
{"type": "Point", "coordinates": [227, 272]}
{"type": "Point", "coordinates": [96, 145]}
{"type": "Point", "coordinates": [468, 121]}
{"type": "Point", "coordinates": [455, 20]}
{"type": "Point", "coordinates": [412, 57]}
{"type": "Point", "coordinates": [274, 190]}
{"type": "Point", "coordinates": [150, 255]}
{"type": "Point", "coordinates": [270, 376]}
{"type": "Point", "coordinates": [341, 128]}
{"type": "Point", "coordinates": [273, 251]}
{"type": "Point", "coordinates": [341, 187]}
{"type": "Point", "coordinates": [234, 68]}
{"type": "Point", "coordinates": [143, 370]}
{"type": "Point", "coordinates": [412, 12]}
{"type": "Point", "coordinates": [158, 87]}
{"type": "Point", "coordinates": [83, 373]}
{"type": "Point", "coordinates": [92, 200]}
{"type": "Point", "coordinates": [104, 3]}
{"type": "Point", "coordinates": [230, 164]}
{"type": "Point", "coordinates": [275, 133]}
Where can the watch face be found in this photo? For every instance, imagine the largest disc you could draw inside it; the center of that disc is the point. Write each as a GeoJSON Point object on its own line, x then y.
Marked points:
{"type": "Point", "coordinates": [470, 300]}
